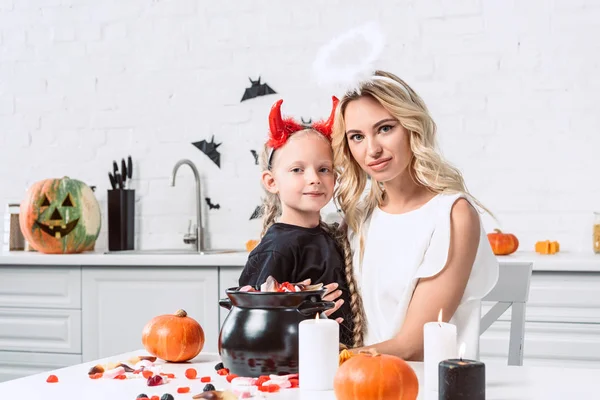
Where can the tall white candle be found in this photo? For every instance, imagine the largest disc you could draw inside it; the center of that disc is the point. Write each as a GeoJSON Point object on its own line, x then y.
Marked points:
{"type": "Point", "coordinates": [439, 341]}
{"type": "Point", "coordinates": [318, 357]}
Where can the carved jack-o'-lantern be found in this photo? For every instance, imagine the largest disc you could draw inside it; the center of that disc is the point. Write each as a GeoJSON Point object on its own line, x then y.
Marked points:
{"type": "Point", "coordinates": [60, 216]}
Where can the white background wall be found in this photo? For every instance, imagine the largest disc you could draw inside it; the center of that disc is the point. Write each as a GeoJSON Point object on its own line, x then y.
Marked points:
{"type": "Point", "coordinates": [513, 86]}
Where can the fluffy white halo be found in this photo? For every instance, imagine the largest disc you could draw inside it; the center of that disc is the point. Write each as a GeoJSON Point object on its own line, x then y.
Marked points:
{"type": "Point", "coordinates": [346, 77]}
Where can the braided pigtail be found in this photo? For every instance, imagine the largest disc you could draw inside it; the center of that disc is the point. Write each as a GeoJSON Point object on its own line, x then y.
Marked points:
{"type": "Point", "coordinates": [356, 305]}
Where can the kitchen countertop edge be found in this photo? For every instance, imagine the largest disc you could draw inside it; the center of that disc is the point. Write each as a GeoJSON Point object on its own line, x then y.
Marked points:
{"type": "Point", "coordinates": [561, 262]}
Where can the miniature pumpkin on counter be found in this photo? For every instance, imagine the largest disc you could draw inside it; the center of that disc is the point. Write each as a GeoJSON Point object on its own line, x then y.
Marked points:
{"type": "Point", "coordinates": [173, 337]}
{"type": "Point", "coordinates": [60, 216]}
{"type": "Point", "coordinates": [251, 244]}
{"type": "Point", "coordinates": [502, 243]}
{"type": "Point", "coordinates": [370, 375]}
{"type": "Point", "coordinates": [547, 247]}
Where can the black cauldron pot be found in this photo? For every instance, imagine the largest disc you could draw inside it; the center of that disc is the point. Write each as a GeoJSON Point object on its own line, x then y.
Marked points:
{"type": "Point", "coordinates": [260, 334]}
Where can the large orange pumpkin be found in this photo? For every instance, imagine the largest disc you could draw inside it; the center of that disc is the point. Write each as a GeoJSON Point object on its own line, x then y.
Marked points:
{"type": "Point", "coordinates": [369, 375]}
{"type": "Point", "coordinates": [173, 337]}
{"type": "Point", "coordinates": [502, 243]}
{"type": "Point", "coordinates": [60, 216]}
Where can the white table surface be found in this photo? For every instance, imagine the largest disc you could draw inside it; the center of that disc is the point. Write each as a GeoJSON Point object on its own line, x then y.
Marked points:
{"type": "Point", "coordinates": [503, 383]}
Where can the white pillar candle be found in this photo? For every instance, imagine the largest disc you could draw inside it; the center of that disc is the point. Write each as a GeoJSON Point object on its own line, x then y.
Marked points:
{"type": "Point", "coordinates": [318, 357]}
{"type": "Point", "coordinates": [439, 341]}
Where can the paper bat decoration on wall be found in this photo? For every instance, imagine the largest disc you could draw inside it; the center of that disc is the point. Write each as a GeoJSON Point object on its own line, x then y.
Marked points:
{"type": "Point", "coordinates": [257, 213]}
{"type": "Point", "coordinates": [255, 154]}
{"type": "Point", "coordinates": [257, 89]}
{"type": "Point", "coordinates": [210, 149]}
{"type": "Point", "coordinates": [212, 206]}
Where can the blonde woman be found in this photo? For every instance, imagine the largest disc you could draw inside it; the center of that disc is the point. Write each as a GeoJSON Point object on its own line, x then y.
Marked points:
{"type": "Point", "coordinates": [418, 244]}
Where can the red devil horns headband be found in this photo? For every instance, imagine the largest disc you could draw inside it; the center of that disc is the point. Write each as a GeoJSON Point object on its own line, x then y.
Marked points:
{"type": "Point", "coordinates": [280, 129]}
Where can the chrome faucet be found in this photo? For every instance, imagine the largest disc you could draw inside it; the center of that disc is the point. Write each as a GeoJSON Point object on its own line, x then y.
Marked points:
{"type": "Point", "coordinates": [198, 238]}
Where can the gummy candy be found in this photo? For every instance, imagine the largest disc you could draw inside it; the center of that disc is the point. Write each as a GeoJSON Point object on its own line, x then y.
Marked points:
{"type": "Point", "coordinates": [183, 390]}
{"type": "Point", "coordinates": [191, 373]}
{"type": "Point", "coordinates": [147, 374]}
{"type": "Point", "coordinates": [52, 379]}
{"type": "Point", "coordinates": [155, 380]}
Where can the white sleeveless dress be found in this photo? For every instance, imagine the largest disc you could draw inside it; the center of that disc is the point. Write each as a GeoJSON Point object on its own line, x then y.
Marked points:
{"type": "Point", "coordinates": [400, 249]}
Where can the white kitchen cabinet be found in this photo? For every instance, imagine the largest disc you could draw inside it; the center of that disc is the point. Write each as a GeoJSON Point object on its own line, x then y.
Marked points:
{"type": "Point", "coordinates": [15, 365]}
{"type": "Point", "coordinates": [118, 301]}
{"type": "Point", "coordinates": [562, 325]}
{"type": "Point", "coordinates": [40, 286]}
{"type": "Point", "coordinates": [43, 330]}
{"type": "Point", "coordinates": [40, 319]}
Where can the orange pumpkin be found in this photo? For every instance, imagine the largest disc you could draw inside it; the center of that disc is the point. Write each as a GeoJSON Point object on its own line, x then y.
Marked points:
{"type": "Point", "coordinates": [174, 338]}
{"type": "Point", "coordinates": [369, 375]}
{"type": "Point", "coordinates": [60, 216]}
{"type": "Point", "coordinates": [547, 247]}
{"type": "Point", "coordinates": [251, 244]}
{"type": "Point", "coordinates": [502, 243]}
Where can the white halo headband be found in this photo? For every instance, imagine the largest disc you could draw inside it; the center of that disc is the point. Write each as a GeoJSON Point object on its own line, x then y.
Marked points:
{"type": "Point", "coordinates": [327, 74]}
{"type": "Point", "coordinates": [349, 78]}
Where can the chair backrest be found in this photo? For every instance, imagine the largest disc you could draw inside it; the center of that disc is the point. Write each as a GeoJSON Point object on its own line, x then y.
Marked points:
{"type": "Point", "coordinates": [513, 283]}
{"type": "Point", "coordinates": [511, 290]}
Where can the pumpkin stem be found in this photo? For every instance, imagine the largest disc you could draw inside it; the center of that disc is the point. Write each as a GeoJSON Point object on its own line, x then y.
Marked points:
{"type": "Point", "coordinates": [181, 313]}
{"type": "Point", "coordinates": [497, 230]}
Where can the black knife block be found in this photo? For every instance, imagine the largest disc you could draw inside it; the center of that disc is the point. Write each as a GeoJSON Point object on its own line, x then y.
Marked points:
{"type": "Point", "coordinates": [121, 219]}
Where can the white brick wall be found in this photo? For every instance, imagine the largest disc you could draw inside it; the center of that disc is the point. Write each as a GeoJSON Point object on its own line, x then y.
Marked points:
{"type": "Point", "coordinates": [513, 85]}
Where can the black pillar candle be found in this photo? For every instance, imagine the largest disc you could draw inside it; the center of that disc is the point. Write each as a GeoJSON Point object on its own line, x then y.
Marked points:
{"type": "Point", "coordinates": [461, 380]}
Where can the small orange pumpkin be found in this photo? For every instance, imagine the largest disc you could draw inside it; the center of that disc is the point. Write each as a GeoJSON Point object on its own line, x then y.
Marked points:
{"type": "Point", "coordinates": [547, 247]}
{"type": "Point", "coordinates": [374, 376]}
{"type": "Point", "coordinates": [173, 337]}
{"type": "Point", "coordinates": [251, 244]}
{"type": "Point", "coordinates": [502, 243]}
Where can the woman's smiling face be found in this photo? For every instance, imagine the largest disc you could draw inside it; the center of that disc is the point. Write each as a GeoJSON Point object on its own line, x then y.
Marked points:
{"type": "Point", "coordinates": [377, 141]}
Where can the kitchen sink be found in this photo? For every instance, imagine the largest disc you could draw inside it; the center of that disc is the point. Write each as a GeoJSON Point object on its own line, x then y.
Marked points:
{"type": "Point", "coordinates": [176, 251]}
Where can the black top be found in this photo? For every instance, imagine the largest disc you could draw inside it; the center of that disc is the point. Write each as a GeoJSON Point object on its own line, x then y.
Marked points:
{"type": "Point", "coordinates": [293, 253]}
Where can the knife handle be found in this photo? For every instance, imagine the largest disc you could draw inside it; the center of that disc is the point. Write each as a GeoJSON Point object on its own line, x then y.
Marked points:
{"type": "Point", "coordinates": [129, 167]}
{"type": "Point", "coordinates": [123, 172]}
{"type": "Point", "coordinates": [120, 181]}
{"type": "Point", "coordinates": [113, 183]}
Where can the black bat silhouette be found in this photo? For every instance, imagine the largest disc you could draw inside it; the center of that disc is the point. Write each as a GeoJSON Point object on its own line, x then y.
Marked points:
{"type": "Point", "coordinates": [257, 89]}
{"type": "Point", "coordinates": [211, 205]}
{"type": "Point", "coordinates": [255, 154]}
{"type": "Point", "coordinates": [258, 211]}
{"type": "Point", "coordinates": [210, 149]}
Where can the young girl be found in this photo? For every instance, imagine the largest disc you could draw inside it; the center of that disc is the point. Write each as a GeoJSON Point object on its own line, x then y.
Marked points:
{"type": "Point", "coordinates": [419, 247]}
{"type": "Point", "coordinates": [299, 181]}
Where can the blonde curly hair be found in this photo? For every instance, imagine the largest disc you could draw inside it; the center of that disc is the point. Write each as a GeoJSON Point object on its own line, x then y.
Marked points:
{"type": "Point", "coordinates": [427, 168]}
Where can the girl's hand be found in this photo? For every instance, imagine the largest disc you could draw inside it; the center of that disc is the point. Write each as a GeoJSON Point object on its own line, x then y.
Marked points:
{"type": "Point", "coordinates": [330, 295]}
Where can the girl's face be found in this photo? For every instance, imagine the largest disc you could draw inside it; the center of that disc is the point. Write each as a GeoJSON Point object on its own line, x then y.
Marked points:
{"type": "Point", "coordinates": [302, 174]}
{"type": "Point", "coordinates": [377, 141]}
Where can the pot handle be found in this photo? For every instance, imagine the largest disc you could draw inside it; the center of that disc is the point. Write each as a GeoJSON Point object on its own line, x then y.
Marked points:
{"type": "Point", "coordinates": [310, 308]}
{"type": "Point", "coordinates": [225, 303]}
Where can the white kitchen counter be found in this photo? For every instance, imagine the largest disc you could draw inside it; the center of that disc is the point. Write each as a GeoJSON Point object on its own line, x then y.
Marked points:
{"type": "Point", "coordinates": [503, 382]}
{"type": "Point", "coordinates": [563, 261]}
{"type": "Point", "coordinates": [101, 259]}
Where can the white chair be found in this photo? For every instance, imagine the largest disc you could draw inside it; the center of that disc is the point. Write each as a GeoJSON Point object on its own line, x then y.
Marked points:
{"type": "Point", "coordinates": [512, 289]}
